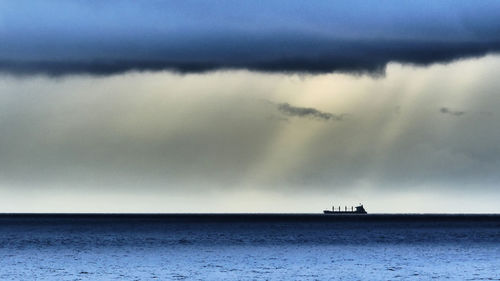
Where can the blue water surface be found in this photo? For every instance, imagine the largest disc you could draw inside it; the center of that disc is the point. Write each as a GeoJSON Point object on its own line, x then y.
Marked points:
{"type": "Point", "coordinates": [249, 247]}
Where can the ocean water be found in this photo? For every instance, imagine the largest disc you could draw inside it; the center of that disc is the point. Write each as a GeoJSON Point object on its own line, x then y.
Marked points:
{"type": "Point", "coordinates": [249, 247]}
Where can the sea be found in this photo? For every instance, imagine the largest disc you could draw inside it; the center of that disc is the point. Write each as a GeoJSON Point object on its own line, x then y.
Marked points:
{"type": "Point", "coordinates": [249, 247]}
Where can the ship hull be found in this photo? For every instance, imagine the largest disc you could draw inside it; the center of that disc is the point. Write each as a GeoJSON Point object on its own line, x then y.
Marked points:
{"type": "Point", "coordinates": [328, 212]}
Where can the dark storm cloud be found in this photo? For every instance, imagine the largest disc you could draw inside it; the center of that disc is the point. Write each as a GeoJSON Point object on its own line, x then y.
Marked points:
{"type": "Point", "coordinates": [95, 37]}
{"type": "Point", "coordinates": [326, 56]}
{"type": "Point", "coordinates": [100, 67]}
{"type": "Point", "coordinates": [448, 111]}
{"type": "Point", "coordinates": [308, 112]}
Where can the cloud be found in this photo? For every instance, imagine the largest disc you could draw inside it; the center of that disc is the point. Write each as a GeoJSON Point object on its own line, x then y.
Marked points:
{"type": "Point", "coordinates": [355, 57]}
{"type": "Point", "coordinates": [79, 37]}
{"type": "Point", "coordinates": [308, 112]}
{"type": "Point", "coordinates": [157, 134]}
{"type": "Point", "coordinates": [446, 110]}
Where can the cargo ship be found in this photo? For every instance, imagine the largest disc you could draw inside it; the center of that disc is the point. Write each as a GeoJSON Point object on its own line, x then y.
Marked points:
{"type": "Point", "coordinates": [359, 211]}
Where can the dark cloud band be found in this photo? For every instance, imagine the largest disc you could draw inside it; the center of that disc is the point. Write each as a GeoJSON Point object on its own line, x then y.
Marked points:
{"type": "Point", "coordinates": [350, 57]}
{"type": "Point", "coordinates": [99, 38]}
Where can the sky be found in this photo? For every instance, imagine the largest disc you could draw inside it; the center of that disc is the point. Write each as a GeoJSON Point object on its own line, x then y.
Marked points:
{"type": "Point", "coordinates": [249, 106]}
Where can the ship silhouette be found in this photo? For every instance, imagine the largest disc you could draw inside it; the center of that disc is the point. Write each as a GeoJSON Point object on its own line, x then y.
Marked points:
{"type": "Point", "coordinates": [359, 211]}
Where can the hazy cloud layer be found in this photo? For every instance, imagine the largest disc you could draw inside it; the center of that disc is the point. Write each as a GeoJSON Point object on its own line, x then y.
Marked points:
{"type": "Point", "coordinates": [183, 134]}
{"type": "Point", "coordinates": [95, 37]}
